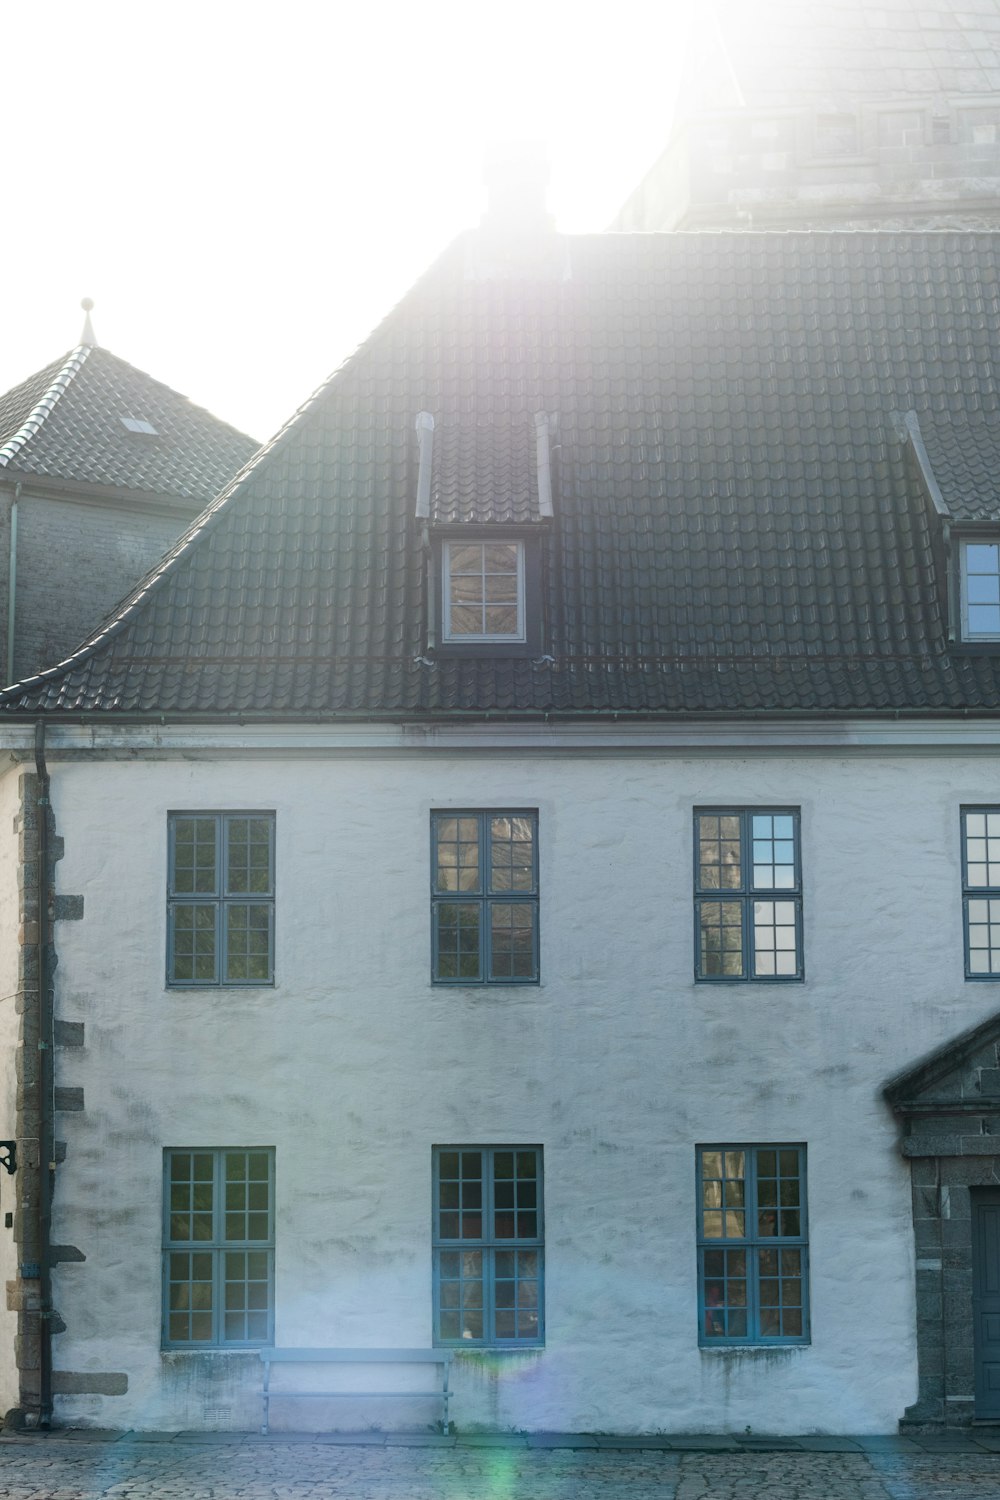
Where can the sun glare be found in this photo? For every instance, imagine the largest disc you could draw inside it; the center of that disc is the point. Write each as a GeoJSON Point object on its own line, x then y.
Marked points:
{"type": "Point", "coordinates": [245, 189]}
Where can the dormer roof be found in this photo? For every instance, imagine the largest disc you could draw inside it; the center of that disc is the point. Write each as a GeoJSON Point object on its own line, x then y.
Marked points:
{"type": "Point", "coordinates": [485, 471]}
{"type": "Point", "coordinates": [960, 463]}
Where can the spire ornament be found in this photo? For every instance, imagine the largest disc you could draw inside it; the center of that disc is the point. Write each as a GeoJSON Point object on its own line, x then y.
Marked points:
{"type": "Point", "coordinates": [87, 336]}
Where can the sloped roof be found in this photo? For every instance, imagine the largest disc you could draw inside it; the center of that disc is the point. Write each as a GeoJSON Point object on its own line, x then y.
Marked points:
{"type": "Point", "coordinates": [484, 471]}
{"type": "Point", "coordinates": [737, 526]}
{"type": "Point", "coordinates": [783, 53]}
{"type": "Point", "coordinates": [964, 463]}
{"type": "Point", "coordinates": [65, 424]}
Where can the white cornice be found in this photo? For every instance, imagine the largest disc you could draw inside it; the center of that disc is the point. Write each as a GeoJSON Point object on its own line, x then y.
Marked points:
{"type": "Point", "coordinates": [838, 737]}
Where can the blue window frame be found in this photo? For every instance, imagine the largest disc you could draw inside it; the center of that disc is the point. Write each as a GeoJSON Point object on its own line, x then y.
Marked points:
{"type": "Point", "coordinates": [748, 894]}
{"type": "Point", "coordinates": [484, 897]}
{"type": "Point", "coordinates": [218, 1248]}
{"type": "Point", "coordinates": [753, 1274]}
{"type": "Point", "coordinates": [980, 589]}
{"type": "Point", "coordinates": [981, 891]}
{"type": "Point", "coordinates": [488, 1239]}
{"type": "Point", "coordinates": [220, 899]}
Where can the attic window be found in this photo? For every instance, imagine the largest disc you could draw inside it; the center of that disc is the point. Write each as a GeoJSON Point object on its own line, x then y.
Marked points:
{"type": "Point", "coordinates": [981, 590]}
{"type": "Point", "coordinates": [483, 587]}
{"type": "Point", "coordinates": [139, 424]}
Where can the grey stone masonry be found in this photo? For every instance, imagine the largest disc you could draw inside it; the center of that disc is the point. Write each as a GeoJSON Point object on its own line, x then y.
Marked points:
{"type": "Point", "coordinates": [24, 1294]}
{"type": "Point", "coordinates": [879, 165]}
{"type": "Point", "coordinates": [949, 1107]}
{"type": "Point", "coordinates": [76, 559]}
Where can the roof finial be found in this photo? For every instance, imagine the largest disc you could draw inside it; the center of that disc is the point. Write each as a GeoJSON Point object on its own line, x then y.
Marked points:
{"type": "Point", "coordinates": [87, 336]}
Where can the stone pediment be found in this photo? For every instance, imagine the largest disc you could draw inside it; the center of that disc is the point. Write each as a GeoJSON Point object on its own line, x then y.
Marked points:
{"type": "Point", "coordinates": [962, 1077]}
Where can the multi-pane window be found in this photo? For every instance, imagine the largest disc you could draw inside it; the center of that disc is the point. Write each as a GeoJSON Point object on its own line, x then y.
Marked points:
{"type": "Point", "coordinates": [981, 891]}
{"type": "Point", "coordinates": [980, 590]}
{"type": "Point", "coordinates": [483, 586]}
{"type": "Point", "coordinates": [748, 894]}
{"type": "Point", "coordinates": [488, 1245]}
{"type": "Point", "coordinates": [752, 1245]}
{"type": "Point", "coordinates": [218, 1247]}
{"type": "Point", "coordinates": [484, 897]}
{"type": "Point", "coordinates": [220, 898]}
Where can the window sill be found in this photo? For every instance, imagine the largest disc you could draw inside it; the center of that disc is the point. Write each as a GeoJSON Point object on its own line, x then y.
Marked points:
{"type": "Point", "coordinates": [241, 1351]}
{"type": "Point", "coordinates": [754, 1349]}
{"type": "Point", "coordinates": [755, 983]}
{"type": "Point", "coordinates": [492, 1350]}
{"type": "Point", "coordinates": [260, 988]}
{"type": "Point", "coordinates": [484, 991]}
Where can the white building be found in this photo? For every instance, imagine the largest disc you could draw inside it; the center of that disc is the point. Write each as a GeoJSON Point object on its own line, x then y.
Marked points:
{"type": "Point", "coordinates": [498, 860]}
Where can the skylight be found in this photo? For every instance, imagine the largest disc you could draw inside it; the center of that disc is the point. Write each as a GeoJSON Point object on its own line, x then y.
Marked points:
{"type": "Point", "coordinates": [139, 424]}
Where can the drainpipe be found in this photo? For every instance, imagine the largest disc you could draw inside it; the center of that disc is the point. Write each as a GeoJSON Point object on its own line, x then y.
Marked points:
{"type": "Point", "coordinates": [12, 583]}
{"type": "Point", "coordinates": [46, 1089]}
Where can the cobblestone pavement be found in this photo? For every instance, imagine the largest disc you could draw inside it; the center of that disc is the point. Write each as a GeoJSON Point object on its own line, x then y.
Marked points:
{"type": "Point", "coordinates": [168, 1466]}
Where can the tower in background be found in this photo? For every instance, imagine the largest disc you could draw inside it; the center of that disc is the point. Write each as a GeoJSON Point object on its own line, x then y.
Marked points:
{"type": "Point", "coordinates": [854, 115]}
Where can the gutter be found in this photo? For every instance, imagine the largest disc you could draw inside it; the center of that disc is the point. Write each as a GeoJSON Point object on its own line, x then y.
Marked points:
{"type": "Point", "coordinates": [46, 1087]}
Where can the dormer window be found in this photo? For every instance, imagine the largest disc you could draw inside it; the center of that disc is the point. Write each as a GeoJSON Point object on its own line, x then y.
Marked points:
{"type": "Point", "coordinates": [980, 565]}
{"type": "Point", "coordinates": [483, 584]}
{"type": "Point", "coordinates": [484, 512]}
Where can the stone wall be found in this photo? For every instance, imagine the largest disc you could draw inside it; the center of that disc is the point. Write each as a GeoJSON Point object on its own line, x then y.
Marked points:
{"type": "Point", "coordinates": [75, 560]}
{"type": "Point", "coordinates": [919, 165]}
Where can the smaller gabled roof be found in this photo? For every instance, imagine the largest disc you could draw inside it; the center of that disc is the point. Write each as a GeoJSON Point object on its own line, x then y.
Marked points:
{"type": "Point", "coordinates": [485, 471]}
{"type": "Point", "coordinates": [84, 420]}
{"type": "Point", "coordinates": [960, 465]}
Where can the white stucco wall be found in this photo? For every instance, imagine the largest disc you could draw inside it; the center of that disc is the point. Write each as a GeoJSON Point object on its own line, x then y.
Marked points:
{"type": "Point", "coordinates": [9, 1026]}
{"type": "Point", "coordinates": [353, 1066]}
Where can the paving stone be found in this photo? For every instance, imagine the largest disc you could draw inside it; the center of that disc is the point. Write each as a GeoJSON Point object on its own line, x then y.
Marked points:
{"type": "Point", "coordinates": [87, 1434]}
{"type": "Point", "coordinates": [944, 1444]}
{"type": "Point", "coordinates": [313, 1468]}
{"type": "Point", "coordinates": [492, 1440]}
{"type": "Point", "coordinates": [420, 1440]}
{"type": "Point", "coordinates": [622, 1442]}
{"type": "Point", "coordinates": [561, 1440]}
{"type": "Point", "coordinates": [886, 1444]}
{"type": "Point", "coordinates": [828, 1445]}
{"type": "Point", "coordinates": [230, 1438]}
{"type": "Point", "coordinates": [710, 1443]}
{"type": "Point", "coordinates": [769, 1444]}
{"type": "Point", "coordinates": [302, 1437]}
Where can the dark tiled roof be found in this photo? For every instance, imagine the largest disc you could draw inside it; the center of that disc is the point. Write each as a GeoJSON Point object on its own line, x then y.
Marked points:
{"type": "Point", "coordinates": [737, 522]}
{"type": "Point", "coordinates": [965, 461]}
{"type": "Point", "coordinates": [18, 405]}
{"type": "Point", "coordinates": [65, 423]}
{"type": "Point", "coordinates": [485, 471]}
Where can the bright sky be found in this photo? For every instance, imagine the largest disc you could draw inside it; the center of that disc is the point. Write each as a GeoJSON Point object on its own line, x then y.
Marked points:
{"type": "Point", "coordinates": [246, 188]}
